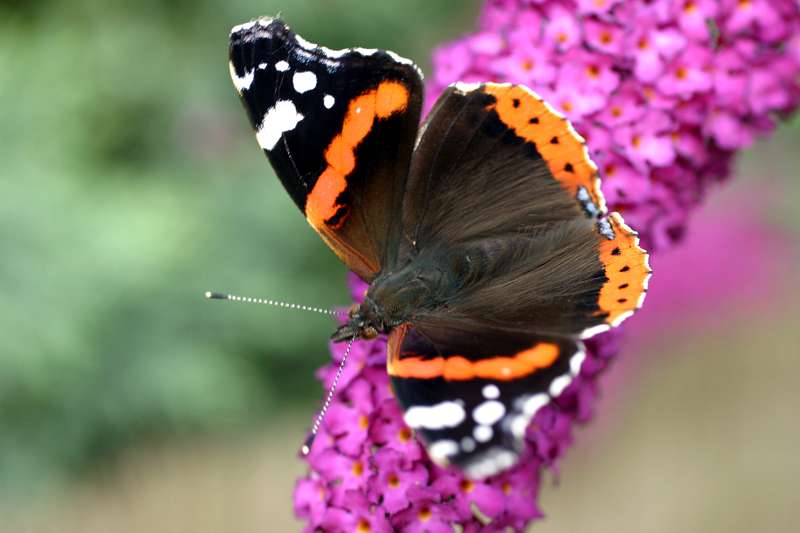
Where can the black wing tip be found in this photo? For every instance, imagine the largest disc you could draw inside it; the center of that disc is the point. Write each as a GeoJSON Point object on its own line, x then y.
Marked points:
{"type": "Point", "coordinates": [264, 32]}
{"type": "Point", "coordinates": [277, 34]}
{"type": "Point", "coordinates": [258, 28]}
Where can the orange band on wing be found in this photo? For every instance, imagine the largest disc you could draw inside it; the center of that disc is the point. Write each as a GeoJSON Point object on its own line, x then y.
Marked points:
{"type": "Point", "coordinates": [560, 146]}
{"type": "Point", "coordinates": [459, 368]}
{"type": "Point", "coordinates": [380, 103]}
{"type": "Point", "coordinates": [627, 269]}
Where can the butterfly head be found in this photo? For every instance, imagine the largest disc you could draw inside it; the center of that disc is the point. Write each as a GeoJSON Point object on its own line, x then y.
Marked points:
{"type": "Point", "coordinates": [364, 322]}
{"type": "Point", "coordinates": [392, 299]}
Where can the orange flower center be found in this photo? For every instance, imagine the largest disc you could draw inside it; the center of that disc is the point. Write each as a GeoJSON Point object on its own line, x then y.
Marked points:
{"type": "Point", "coordinates": [643, 43]}
{"type": "Point", "coordinates": [610, 170]}
{"type": "Point", "coordinates": [636, 141]}
{"type": "Point", "coordinates": [506, 488]}
{"type": "Point", "coordinates": [562, 37]}
{"type": "Point", "coordinates": [363, 526]}
{"type": "Point", "coordinates": [357, 469]}
{"type": "Point", "coordinates": [466, 486]}
{"type": "Point", "coordinates": [363, 422]}
{"type": "Point", "coordinates": [616, 111]}
{"type": "Point", "coordinates": [404, 435]}
{"type": "Point", "coordinates": [424, 514]}
{"type": "Point", "coordinates": [393, 481]}
{"type": "Point", "coordinates": [593, 71]}
{"type": "Point", "coordinates": [605, 37]}
{"type": "Point", "coordinates": [566, 106]}
{"type": "Point", "coordinates": [527, 65]}
{"type": "Point", "coordinates": [689, 6]}
{"type": "Point", "coordinates": [681, 73]}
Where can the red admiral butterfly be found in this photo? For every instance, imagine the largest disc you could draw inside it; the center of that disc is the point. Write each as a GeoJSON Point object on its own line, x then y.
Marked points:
{"type": "Point", "coordinates": [483, 233]}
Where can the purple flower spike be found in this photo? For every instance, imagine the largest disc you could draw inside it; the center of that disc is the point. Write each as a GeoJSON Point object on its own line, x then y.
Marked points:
{"type": "Point", "coordinates": [674, 86]}
{"type": "Point", "coordinates": [665, 94]}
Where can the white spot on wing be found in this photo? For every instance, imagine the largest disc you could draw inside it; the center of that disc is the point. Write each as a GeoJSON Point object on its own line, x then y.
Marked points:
{"type": "Point", "coordinates": [489, 412]}
{"type": "Point", "coordinates": [576, 362]}
{"type": "Point", "coordinates": [441, 415]}
{"type": "Point", "coordinates": [399, 58]}
{"type": "Point", "coordinates": [281, 66]}
{"type": "Point", "coordinates": [279, 119]}
{"type": "Point", "coordinates": [482, 433]}
{"type": "Point", "coordinates": [586, 201]}
{"type": "Point", "coordinates": [304, 81]}
{"type": "Point", "coordinates": [464, 88]}
{"type": "Point", "coordinates": [262, 66]}
{"type": "Point", "coordinates": [334, 54]}
{"type": "Point", "coordinates": [640, 300]}
{"type": "Point", "coordinates": [405, 61]}
{"type": "Point", "coordinates": [440, 450]}
{"type": "Point", "coordinates": [491, 462]}
{"type": "Point", "coordinates": [594, 330]}
{"type": "Point", "coordinates": [243, 26]}
{"type": "Point", "coordinates": [491, 392]}
{"type": "Point", "coordinates": [526, 408]}
{"type": "Point", "coordinates": [617, 321]}
{"type": "Point", "coordinates": [467, 444]}
{"type": "Point", "coordinates": [241, 82]}
{"type": "Point", "coordinates": [505, 459]}
{"type": "Point", "coordinates": [559, 384]}
{"type": "Point", "coordinates": [308, 45]}
{"type": "Point", "coordinates": [519, 425]}
{"type": "Point", "coordinates": [534, 403]}
{"type": "Point", "coordinates": [604, 227]}
{"type": "Point", "coordinates": [328, 101]}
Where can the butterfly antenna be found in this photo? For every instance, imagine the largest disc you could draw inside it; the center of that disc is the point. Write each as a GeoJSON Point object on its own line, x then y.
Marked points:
{"type": "Point", "coordinates": [250, 300]}
{"type": "Point", "coordinates": [306, 449]}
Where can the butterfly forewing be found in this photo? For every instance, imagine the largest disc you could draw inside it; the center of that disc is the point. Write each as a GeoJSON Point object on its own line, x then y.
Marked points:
{"type": "Point", "coordinates": [500, 178]}
{"type": "Point", "coordinates": [338, 127]}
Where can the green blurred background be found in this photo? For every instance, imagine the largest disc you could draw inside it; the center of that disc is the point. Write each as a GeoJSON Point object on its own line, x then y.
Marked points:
{"type": "Point", "coordinates": [131, 184]}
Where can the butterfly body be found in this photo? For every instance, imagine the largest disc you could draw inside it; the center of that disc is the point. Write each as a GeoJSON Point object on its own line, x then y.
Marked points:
{"type": "Point", "coordinates": [483, 234]}
{"type": "Point", "coordinates": [394, 298]}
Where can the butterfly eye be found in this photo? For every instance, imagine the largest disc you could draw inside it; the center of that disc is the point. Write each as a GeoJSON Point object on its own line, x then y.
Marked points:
{"type": "Point", "coordinates": [369, 332]}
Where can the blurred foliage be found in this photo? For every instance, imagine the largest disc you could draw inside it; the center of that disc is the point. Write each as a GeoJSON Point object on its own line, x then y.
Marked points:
{"type": "Point", "coordinates": [131, 184]}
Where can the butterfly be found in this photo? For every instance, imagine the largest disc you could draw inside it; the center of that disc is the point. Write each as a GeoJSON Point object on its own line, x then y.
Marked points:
{"type": "Point", "coordinates": [482, 232]}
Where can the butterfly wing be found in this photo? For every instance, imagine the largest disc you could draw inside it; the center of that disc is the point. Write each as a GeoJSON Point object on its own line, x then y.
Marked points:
{"type": "Point", "coordinates": [503, 180]}
{"type": "Point", "coordinates": [503, 197]}
{"type": "Point", "coordinates": [471, 400]}
{"type": "Point", "coordinates": [338, 127]}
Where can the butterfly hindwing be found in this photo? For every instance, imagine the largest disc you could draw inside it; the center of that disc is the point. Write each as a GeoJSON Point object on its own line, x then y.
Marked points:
{"type": "Point", "coordinates": [338, 127]}
{"type": "Point", "coordinates": [473, 407]}
{"type": "Point", "coordinates": [500, 177]}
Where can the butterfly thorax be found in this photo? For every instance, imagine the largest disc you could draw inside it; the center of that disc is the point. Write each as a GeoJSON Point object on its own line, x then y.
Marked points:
{"type": "Point", "coordinates": [393, 298]}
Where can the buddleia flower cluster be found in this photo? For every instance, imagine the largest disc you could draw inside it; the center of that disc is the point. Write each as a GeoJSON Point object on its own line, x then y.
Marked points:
{"type": "Point", "coordinates": [665, 93]}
